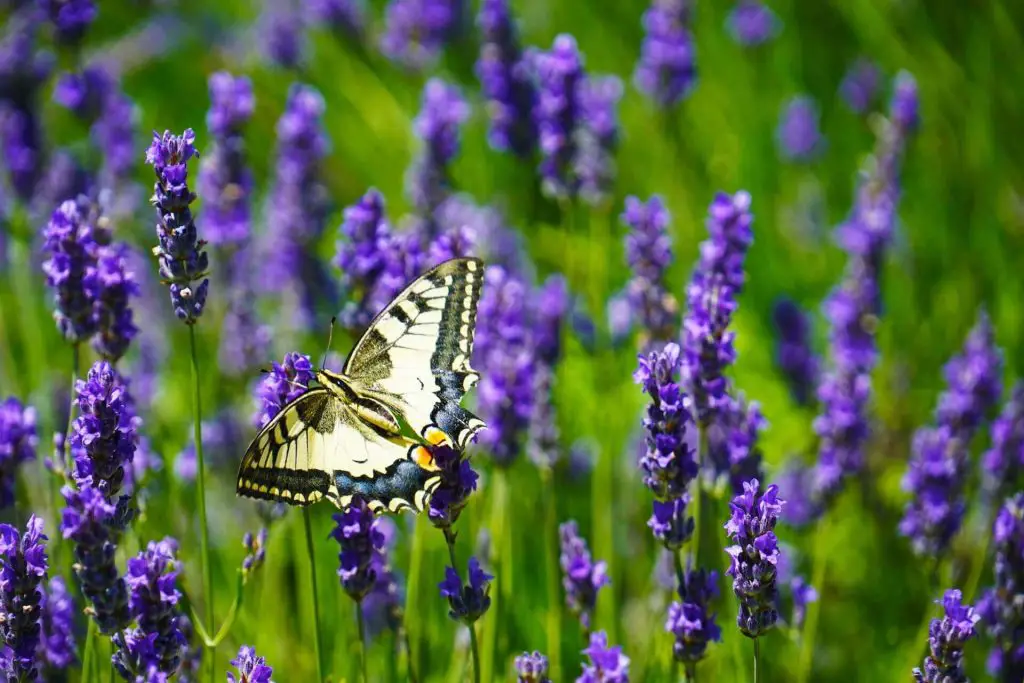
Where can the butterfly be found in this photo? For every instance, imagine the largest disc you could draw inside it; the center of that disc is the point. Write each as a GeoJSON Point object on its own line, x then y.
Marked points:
{"type": "Point", "coordinates": [367, 431]}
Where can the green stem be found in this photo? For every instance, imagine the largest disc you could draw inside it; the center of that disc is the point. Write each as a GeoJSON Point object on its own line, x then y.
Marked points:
{"type": "Point", "coordinates": [204, 536]}
{"type": "Point", "coordinates": [361, 627]}
{"type": "Point", "coordinates": [52, 495]}
{"type": "Point", "coordinates": [499, 556]}
{"type": "Point", "coordinates": [87, 655]}
{"type": "Point", "coordinates": [554, 597]}
{"type": "Point", "coordinates": [408, 653]}
{"type": "Point", "coordinates": [757, 658]}
{"type": "Point", "coordinates": [317, 641]}
{"type": "Point", "coordinates": [449, 537]}
{"type": "Point", "coordinates": [413, 592]}
{"type": "Point", "coordinates": [818, 581]}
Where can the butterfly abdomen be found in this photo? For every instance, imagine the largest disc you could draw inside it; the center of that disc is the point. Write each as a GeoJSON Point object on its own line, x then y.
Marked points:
{"type": "Point", "coordinates": [299, 487]}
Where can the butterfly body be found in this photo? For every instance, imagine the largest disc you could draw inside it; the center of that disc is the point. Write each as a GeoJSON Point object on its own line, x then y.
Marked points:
{"type": "Point", "coordinates": [366, 431]}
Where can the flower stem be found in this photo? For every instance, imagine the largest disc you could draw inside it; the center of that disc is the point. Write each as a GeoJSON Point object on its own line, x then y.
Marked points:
{"type": "Point", "coordinates": [87, 655]}
{"type": "Point", "coordinates": [757, 658]}
{"type": "Point", "coordinates": [408, 654]}
{"type": "Point", "coordinates": [361, 624]}
{"type": "Point", "coordinates": [552, 573]}
{"type": "Point", "coordinates": [413, 592]}
{"type": "Point", "coordinates": [449, 537]}
{"type": "Point", "coordinates": [691, 673]}
{"type": "Point", "coordinates": [317, 640]}
{"type": "Point", "coordinates": [204, 536]}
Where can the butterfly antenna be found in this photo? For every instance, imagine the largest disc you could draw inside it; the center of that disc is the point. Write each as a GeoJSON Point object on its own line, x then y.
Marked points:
{"type": "Point", "coordinates": [330, 338]}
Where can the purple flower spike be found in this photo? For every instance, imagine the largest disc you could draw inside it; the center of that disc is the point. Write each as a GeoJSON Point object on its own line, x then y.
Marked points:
{"type": "Point", "coordinates": [732, 442]}
{"type": "Point", "coordinates": [532, 667]}
{"type": "Point", "coordinates": [583, 578]}
{"type": "Point", "coordinates": [551, 307]}
{"type": "Point", "coordinates": [467, 602]}
{"type": "Point", "coordinates": [752, 23]}
{"type": "Point", "coordinates": [23, 566]}
{"type": "Point", "coordinates": [649, 254]}
{"type": "Point", "coordinates": [1003, 464]}
{"type": "Point", "coordinates": [115, 286]}
{"type": "Point", "coordinates": [505, 81]}
{"type": "Point", "coordinates": [458, 481]}
{"type": "Point", "coordinates": [255, 551]}
{"type": "Point", "coordinates": [1001, 605]}
{"type": "Point", "coordinates": [18, 442]}
{"type": "Point", "coordinates": [357, 534]}
{"type": "Point", "coordinates": [597, 137]}
{"type": "Point", "coordinates": [668, 464]}
{"type": "Point", "coordinates": [443, 111]}
{"type": "Point", "coordinates": [798, 135]}
{"type": "Point", "coordinates": [70, 18]}
{"type": "Point", "coordinates": [755, 556]}
{"type": "Point", "coordinates": [346, 18]}
{"type": "Point", "coordinates": [793, 351]}
{"type": "Point", "coordinates": [860, 85]}
{"type": "Point", "coordinates": [180, 251]}
{"type": "Point", "coordinates": [70, 245]}
{"type": "Point", "coordinates": [363, 258]}
{"type": "Point", "coordinates": [284, 383]}
{"type": "Point", "coordinates": [973, 380]}
{"type": "Point", "coordinates": [251, 668]}
{"type": "Point", "coordinates": [559, 73]}
{"type": "Point", "coordinates": [103, 438]}
{"type": "Point", "coordinates": [904, 107]}
{"type": "Point", "coordinates": [607, 663]}
{"type": "Point", "coordinates": [667, 72]}
{"type": "Point", "coordinates": [281, 35]}
{"type": "Point", "coordinates": [417, 31]}
{"type": "Point", "coordinates": [690, 619]}
{"type": "Point", "coordinates": [57, 627]}
{"type": "Point", "coordinates": [946, 640]}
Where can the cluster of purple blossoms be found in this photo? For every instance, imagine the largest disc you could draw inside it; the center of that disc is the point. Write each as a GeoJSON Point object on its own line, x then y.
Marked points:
{"type": "Point", "coordinates": [941, 453]}
{"type": "Point", "coordinates": [752, 23]}
{"type": "Point", "coordinates": [1003, 463]}
{"type": "Point", "coordinates": [18, 442]}
{"type": "Point", "coordinates": [597, 137]}
{"type": "Point", "coordinates": [458, 481]}
{"type": "Point", "coordinates": [225, 180]}
{"type": "Point", "coordinates": [649, 254]}
{"type": "Point", "coordinates": [467, 603]}
{"type": "Point", "coordinates": [793, 351]}
{"type": "Point", "coordinates": [357, 534]}
{"type": "Point", "coordinates": [584, 577]}
{"type": "Point", "coordinates": [859, 87]}
{"type": "Point", "coordinates": [365, 257]}
{"type": "Point", "coordinates": [799, 136]}
{"type": "Point", "coordinates": [285, 382]}
{"type": "Point", "coordinates": [504, 354]}
{"type": "Point", "coordinates": [667, 69]}
{"type": "Point", "coordinates": [23, 567]}
{"type": "Point", "coordinates": [668, 462]}
{"type": "Point", "coordinates": [443, 111]}
{"type": "Point", "coordinates": [382, 606]}
{"type": "Point", "coordinates": [281, 34]}
{"type": "Point", "coordinates": [946, 640]}
{"type": "Point", "coordinates": [1002, 606]}
{"type": "Point", "coordinates": [251, 667]}
{"type": "Point", "coordinates": [157, 644]}
{"type": "Point", "coordinates": [505, 81]}
{"type": "Point", "coordinates": [70, 18]}
{"type": "Point", "coordinates": [180, 252]}
{"type": "Point", "coordinates": [57, 627]}
{"type": "Point", "coordinates": [548, 314]}
{"type": "Point", "coordinates": [83, 92]}
{"type": "Point", "coordinates": [417, 31]}
{"type": "Point", "coordinates": [755, 556]}
{"type": "Point", "coordinates": [732, 450]}
{"type": "Point", "coordinates": [532, 667]}
{"type": "Point", "coordinates": [103, 440]}
{"type": "Point", "coordinates": [690, 619]}
{"type": "Point", "coordinates": [711, 295]}
{"type": "Point", "coordinates": [346, 18]}
{"type": "Point", "coordinates": [115, 286]}
{"type": "Point", "coordinates": [607, 663]}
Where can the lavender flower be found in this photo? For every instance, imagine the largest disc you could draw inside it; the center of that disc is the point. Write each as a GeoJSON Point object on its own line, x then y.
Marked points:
{"type": "Point", "coordinates": [597, 137]}
{"type": "Point", "coordinates": [860, 85]}
{"type": "Point", "coordinates": [505, 81]}
{"type": "Point", "coordinates": [362, 257]}
{"type": "Point", "coordinates": [115, 285]}
{"type": "Point", "coordinates": [468, 602]}
{"type": "Point", "coordinates": [752, 23]}
{"type": "Point", "coordinates": [946, 639]}
{"type": "Point", "coordinates": [285, 382]}
{"type": "Point", "coordinates": [583, 578]}
{"type": "Point", "coordinates": [359, 539]}
{"type": "Point", "coordinates": [23, 566]}
{"type": "Point", "coordinates": [158, 642]}
{"type": "Point", "coordinates": [225, 180]}
{"type": "Point", "coordinates": [382, 606]}
{"type": "Point", "coordinates": [21, 138]}
{"type": "Point", "coordinates": [443, 111]}
{"type": "Point", "coordinates": [754, 556]}
{"type": "Point", "coordinates": [798, 135]}
{"type": "Point", "coordinates": [941, 454]}
{"type": "Point", "coordinates": [607, 663]}
{"type": "Point", "coordinates": [114, 132]}
{"type": "Point", "coordinates": [417, 31]}
{"type": "Point", "coordinates": [1003, 463]}
{"type": "Point", "coordinates": [559, 73]}
{"type": "Point", "coordinates": [103, 435]}
{"type": "Point", "coordinates": [802, 594]}
{"type": "Point", "coordinates": [532, 667]}
{"type": "Point", "coordinates": [458, 480]}
{"type": "Point", "coordinates": [18, 442]}
{"type": "Point", "coordinates": [180, 253]}
{"type": "Point", "coordinates": [1002, 606]}
{"type": "Point", "coordinates": [504, 355]}
{"type": "Point", "coordinates": [667, 71]}
{"type": "Point", "coordinates": [94, 525]}
{"type": "Point", "coordinates": [57, 650]}
{"type": "Point", "coordinates": [282, 39]}
{"type": "Point", "coordinates": [251, 668]}
{"type": "Point", "coordinates": [732, 438]}
{"type": "Point", "coordinates": [70, 244]}
{"type": "Point", "coordinates": [549, 313]}
{"type": "Point", "coordinates": [255, 551]}
{"type": "Point", "coordinates": [345, 17]}
{"type": "Point", "coordinates": [904, 104]}
{"type": "Point", "coordinates": [649, 254]}
{"type": "Point", "coordinates": [690, 620]}
{"type": "Point", "coordinates": [70, 18]}
{"type": "Point", "coordinates": [793, 352]}
{"type": "Point", "coordinates": [83, 92]}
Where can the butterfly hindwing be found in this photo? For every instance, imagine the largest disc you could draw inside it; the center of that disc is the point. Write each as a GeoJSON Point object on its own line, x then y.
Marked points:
{"type": "Point", "coordinates": [416, 353]}
{"type": "Point", "coordinates": [315, 447]}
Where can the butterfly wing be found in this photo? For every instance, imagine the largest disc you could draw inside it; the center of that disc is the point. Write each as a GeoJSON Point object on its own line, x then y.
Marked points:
{"type": "Point", "coordinates": [315, 447]}
{"type": "Point", "coordinates": [415, 355]}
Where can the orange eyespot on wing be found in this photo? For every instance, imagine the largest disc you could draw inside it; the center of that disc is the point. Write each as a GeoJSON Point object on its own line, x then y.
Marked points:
{"type": "Point", "coordinates": [436, 437]}
{"type": "Point", "coordinates": [422, 457]}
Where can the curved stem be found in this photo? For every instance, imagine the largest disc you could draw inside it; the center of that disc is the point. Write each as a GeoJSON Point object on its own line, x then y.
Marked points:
{"type": "Point", "coordinates": [408, 654]}
{"type": "Point", "coordinates": [361, 624]}
{"type": "Point", "coordinates": [757, 658]}
{"type": "Point", "coordinates": [204, 536]}
{"type": "Point", "coordinates": [554, 626]}
{"type": "Point", "coordinates": [317, 641]}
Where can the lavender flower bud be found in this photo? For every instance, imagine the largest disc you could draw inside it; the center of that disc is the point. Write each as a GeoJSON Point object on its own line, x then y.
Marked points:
{"type": "Point", "coordinates": [70, 18]}
{"type": "Point", "coordinates": [467, 602]}
{"type": "Point", "coordinates": [799, 137]}
{"type": "Point", "coordinates": [255, 551]}
{"type": "Point", "coordinates": [417, 31]}
{"type": "Point", "coordinates": [70, 244]}
{"type": "Point", "coordinates": [505, 81]}
{"type": "Point", "coordinates": [607, 663]}
{"type": "Point", "coordinates": [458, 481]}
{"type": "Point", "coordinates": [443, 112]}
{"type": "Point", "coordinates": [57, 627]}
{"type": "Point", "coordinates": [649, 254]}
{"type": "Point", "coordinates": [1003, 464]}
{"type": "Point", "coordinates": [690, 619]}
{"type": "Point", "coordinates": [1002, 606]}
{"type": "Point", "coordinates": [946, 639]}
{"type": "Point", "coordinates": [532, 667]}
{"type": "Point", "coordinates": [667, 71]}
{"type": "Point", "coordinates": [251, 668]}
{"type": "Point", "coordinates": [346, 18]}
{"type": "Point", "coordinates": [583, 578]}
{"type": "Point", "coordinates": [18, 442]}
{"type": "Point", "coordinates": [754, 556]}
{"type": "Point", "coordinates": [860, 85]}
{"type": "Point", "coordinates": [23, 566]}
{"type": "Point", "coordinates": [115, 285]}
{"type": "Point", "coordinates": [597, 137]}
{"type": "Point", "coordinates": [103, 435]}
{"type": "Point", "coordinates": [751, 23]}
{"type": "Point", "coordinates": [793, 352]}
{"type": "Point", "coordinates": [559, 73]}
{"type": "Point", "coordinates": [359, 539]}
{"type": "Point", "coordinates": [282, 385]}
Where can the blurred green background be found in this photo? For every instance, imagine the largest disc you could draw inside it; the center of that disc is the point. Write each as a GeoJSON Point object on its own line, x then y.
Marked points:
{"type": "Point", "coordinates": [960, 236]}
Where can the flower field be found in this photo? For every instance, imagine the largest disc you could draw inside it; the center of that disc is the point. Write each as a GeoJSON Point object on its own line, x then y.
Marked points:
{"type": "Point", "coordinates": [693, 341]}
